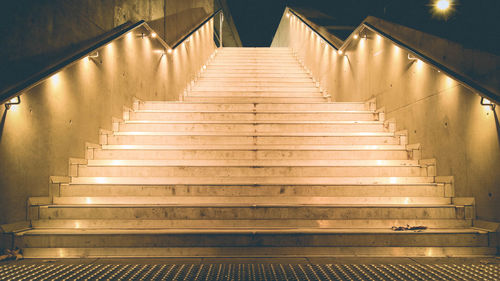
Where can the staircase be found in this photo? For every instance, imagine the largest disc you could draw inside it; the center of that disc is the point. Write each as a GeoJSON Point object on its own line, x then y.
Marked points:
{"type": "Point", "coordinates": [254, 162]}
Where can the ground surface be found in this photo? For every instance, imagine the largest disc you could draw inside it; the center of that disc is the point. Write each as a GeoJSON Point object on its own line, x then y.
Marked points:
{"type": "Point", "coordinates": [299, 268]}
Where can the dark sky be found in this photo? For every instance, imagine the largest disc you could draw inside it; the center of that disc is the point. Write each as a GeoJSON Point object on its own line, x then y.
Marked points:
{"type": "Point", "coordinates": [473, 23]}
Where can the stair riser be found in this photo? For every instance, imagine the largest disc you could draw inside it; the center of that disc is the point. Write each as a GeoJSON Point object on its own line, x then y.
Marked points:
{"type": "Point", "coordinates": [235, 190]}
{"type": "Point", "coordinates": [277, 63]}
{"type": "Point", "coordinates": [218, 224]}
{"type": "Point", "coordinates": [228, 93]}
{"type": "Point", "coordinates": [252, 107]}
{"type": "Point", "coordinates": [217, 116]}
{"type": "Point", "coordinates": [283, 71]}
{"type": "Point", "coordinates": [286, 128]}
{"type": "Point", "coordinates": [257, 66]}
{"type": "Point", "coordinates": [252, 240]}
{"type": "Point", "coordinates": [249, 200]}
{"type": "Point", "coordinates": [239, 84]}
{"type": "Point", "coordinates": [284, 79]}
{"type": "Point", "coordinates": [241, 90]}
{"type": "Point", "coordinates": [254, 213]}
{"type": "Point", "coordinates": [254, 99]}
{"type": "Point", "coordinates": [247, 171]}
{"type": "Point", "coordinates": [273, 252]}
{"type": "Point", "coordinates": [254, 75]}
{"type": "Point", "coordinates": [188, 140]}
{"type": "Point", "coordinates": [228, 154]}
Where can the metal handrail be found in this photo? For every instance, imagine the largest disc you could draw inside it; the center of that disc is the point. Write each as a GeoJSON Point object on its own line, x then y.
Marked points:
{"type": "Point", "coordinates": [37, 78]}
{"type": "Point", "coordinates": [313, 29]}
{"type": "Point", "coordinates": [182, 39]}
{"type": "Point", "coordinates": [463, 80]}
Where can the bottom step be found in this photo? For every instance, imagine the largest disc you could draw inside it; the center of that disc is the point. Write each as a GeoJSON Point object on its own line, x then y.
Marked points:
{"type": "Point", "coordinates": [259, 252]}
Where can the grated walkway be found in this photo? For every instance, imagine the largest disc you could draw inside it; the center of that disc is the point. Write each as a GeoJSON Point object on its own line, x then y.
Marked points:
{"type": "Point", "coordinates": [257, 271]}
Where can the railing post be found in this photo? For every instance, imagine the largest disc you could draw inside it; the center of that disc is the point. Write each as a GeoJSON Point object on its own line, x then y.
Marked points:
{"type": "Point", "coordinates": [220, 27]}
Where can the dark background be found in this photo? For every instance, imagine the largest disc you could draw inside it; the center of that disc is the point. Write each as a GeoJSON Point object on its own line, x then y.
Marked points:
{"type": "Point", "coordinates": [473, 23]}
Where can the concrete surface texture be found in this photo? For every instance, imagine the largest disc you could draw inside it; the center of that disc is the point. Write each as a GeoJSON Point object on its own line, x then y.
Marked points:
{"type": "Point", "coordinates": [35, 33]}
{"type": "Point", "coordinates": [440, 114]}
{"type": "Point", "coordinates": [57, 117]}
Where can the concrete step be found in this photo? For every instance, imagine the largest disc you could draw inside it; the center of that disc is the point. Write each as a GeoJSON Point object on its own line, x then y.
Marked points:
{"type": "Point", "coordinates": [252, 211]}
{"type": "Point", "coordinates": [233, 99]}
{"type": "Point", "coordinates": [278, 93]}
{"type": "Point", "coordinates": [241, 171]}
{"type": "Point", "coordinates": [248, 126]}
{"type": "Point", "coordinates": [259, 107]}
{"type": "Point", "coordinates": [328, 189]}
{"type": "Point", "coordinates": [312, 237]}
{"type": "Point", "coordinates": [257, 251]}
{"type": "Point", "coordinates": [281, 62]}
{"type": "Point", "coordinates": [283, 79]}
{"type": "Point", "coordinates": [262, 84]}
{"type": "Point", "coordinates": [277, 66]}
{"type": "Point", "coordinates": [254, 116]}
{"type": "Point", "coordinates": [255, 75]}
{"type": "Point", "coordinates": [242, 224]}
{"type": "Point", "coordinates": [248, 200]}
{"type": "Point", "coordinates": [158, 154]}
{"type": "Point", "coordinates": [252, 90]}
{"type": "Point", "coordinates": [162, 138]}
{"type": "Point", "coordinates": [281, 181]}
{"type": "Point", "coordinates": [252, 72]}
{"type": "Point", "coordinates": [253, 163]}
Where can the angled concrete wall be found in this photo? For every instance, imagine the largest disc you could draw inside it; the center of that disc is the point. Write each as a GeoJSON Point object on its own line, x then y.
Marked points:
{"type": "Point", "coordinates": [446, 118]}
{"type": "Point", "coordinates": [57, 117]}
{"type": "Point", "coordinates": [34, 33]}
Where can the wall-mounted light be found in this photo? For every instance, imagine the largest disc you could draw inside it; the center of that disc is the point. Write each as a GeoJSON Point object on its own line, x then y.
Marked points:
{"type": "Point", "coordinates": [356, 36]}
{"type": "Point", "coordinates": [340, 52]}
{"type": "Point", "coordinates": [412, 58]}
{"type": "Point", "coordinates": [169, 51]}
{"type": "Point", "coordinates": [94, 55]}
{"type": "Point", "coordinates": [153, 35]}
{"type": "Point", "coordinates": [287, 15]}
{"type": "Point", "coordinates": [12, 101]}
{"type": "Point", "coordinates": [487, 102]}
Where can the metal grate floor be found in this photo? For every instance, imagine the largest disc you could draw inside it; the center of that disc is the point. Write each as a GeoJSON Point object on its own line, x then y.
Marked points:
{"type": "Point", "coordinates": [249, 272]}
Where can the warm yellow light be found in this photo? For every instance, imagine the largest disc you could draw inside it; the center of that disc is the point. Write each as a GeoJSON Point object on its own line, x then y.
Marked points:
{"type": "Point", "coordinates": [287, 15]}
{"type": "Point", "coordinates": [486, 101]}
{"type": "Point", "coordinates": [55, 79]}
{"type": "Point", "coordinates": [153, 35]}
{"type": "Point", "coordinates": [340, 52]}
{"type": "Point", "coordinates": [443, 5]}
{"type": "Point", "coordinates": [356, 36]}
{"type": "Point", "coordinates": [169, 51]}
{"type": "Point", "coordinates": [13, 100]}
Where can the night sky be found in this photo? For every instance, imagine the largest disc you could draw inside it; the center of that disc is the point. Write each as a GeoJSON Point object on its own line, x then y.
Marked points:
{"type": "Point", "coordinates": [473, 23]}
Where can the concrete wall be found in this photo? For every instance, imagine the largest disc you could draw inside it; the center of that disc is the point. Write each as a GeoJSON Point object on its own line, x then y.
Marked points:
{"type": "Point", "coordinates": [33, 33]}
{"type": "Point", "coordinates": [57, 117]}
{"type": "Point", "coordinates": [446, 118]}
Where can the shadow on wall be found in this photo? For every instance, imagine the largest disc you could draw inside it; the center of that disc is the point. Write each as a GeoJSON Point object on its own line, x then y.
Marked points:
{"type": "Point", "coordinates": [22, 68]}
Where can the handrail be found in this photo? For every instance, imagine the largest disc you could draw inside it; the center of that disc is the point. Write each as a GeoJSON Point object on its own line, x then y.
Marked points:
{"type": "Point", "coordinates": [313, 29]}
{"type": "Point", "coordinates": [468, 83]}
{"type": "Point", "coordinates": [182, 39]}
{"type": "Point", "coordinates": [37, 78]}
{"type": "Point", "coordinates": [465, 81]}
